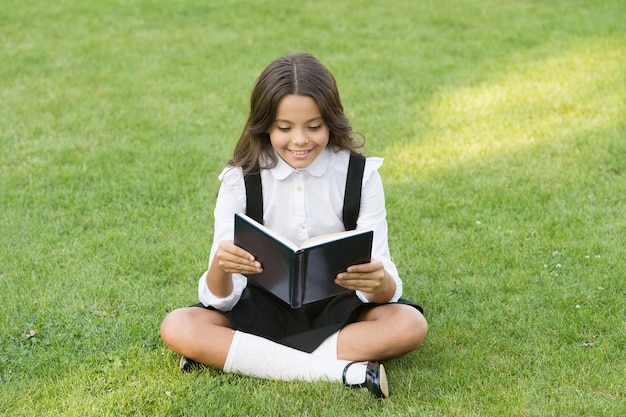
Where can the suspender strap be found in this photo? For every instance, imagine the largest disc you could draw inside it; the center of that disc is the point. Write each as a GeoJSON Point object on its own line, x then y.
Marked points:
{"type": "Point", "coordinates": [254, 196]}
{"type": "Point", "coordinates": [352, 197]}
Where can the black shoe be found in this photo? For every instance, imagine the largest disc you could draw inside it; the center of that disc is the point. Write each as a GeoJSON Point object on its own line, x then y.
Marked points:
{"type": "Point", "coordinates": [375, 379]}
{"type": "Point", "coordinates": [186, 364]}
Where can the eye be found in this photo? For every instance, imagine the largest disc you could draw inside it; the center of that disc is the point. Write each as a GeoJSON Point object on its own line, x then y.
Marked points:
{"type": "Point", "coordinates": [283, 129]}
{"type": "Point", "coordinates": [318, 127]}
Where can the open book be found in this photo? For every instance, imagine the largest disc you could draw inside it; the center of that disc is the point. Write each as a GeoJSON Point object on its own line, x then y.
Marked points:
{"type": "Point", "coordinates": [301, 275]}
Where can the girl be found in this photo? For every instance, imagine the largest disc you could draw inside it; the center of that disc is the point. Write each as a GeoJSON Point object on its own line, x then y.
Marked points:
{"type": "Point", "coordinates": [299, 141]}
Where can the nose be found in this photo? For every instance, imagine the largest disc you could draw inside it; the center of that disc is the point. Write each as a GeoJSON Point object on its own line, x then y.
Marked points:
{"type": "Point", "coordinates": [300, 137]}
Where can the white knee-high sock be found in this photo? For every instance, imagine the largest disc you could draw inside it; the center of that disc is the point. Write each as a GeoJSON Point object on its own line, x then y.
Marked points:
{"type": "Point", "coordinates": [328, 348]}
{"type": "Point", "coordinates": [261, 358]}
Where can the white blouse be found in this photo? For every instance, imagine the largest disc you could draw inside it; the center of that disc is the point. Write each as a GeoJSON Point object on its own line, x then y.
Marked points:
{"type": "Point", "coordinates": [300, 204]}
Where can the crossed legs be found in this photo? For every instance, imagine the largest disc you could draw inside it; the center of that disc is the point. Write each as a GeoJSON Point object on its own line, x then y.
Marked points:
{"type": "Point", "coordinates": [382, 332]}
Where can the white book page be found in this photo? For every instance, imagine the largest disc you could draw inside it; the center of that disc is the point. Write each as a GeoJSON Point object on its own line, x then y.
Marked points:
{"type": "Point", "coordinates": [318, 240]}
{"type": "Point", "coordinates": [314, 241]}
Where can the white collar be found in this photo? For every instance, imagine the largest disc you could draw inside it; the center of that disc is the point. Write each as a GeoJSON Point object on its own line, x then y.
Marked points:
{"type": "Point", "coordinates": [317, 168]}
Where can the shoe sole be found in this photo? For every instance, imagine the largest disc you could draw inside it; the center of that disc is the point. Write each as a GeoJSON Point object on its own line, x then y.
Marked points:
{"type": "Point", "coordinates": [185, 364]}
{"type": "Point", "coordinates": [384, 385]}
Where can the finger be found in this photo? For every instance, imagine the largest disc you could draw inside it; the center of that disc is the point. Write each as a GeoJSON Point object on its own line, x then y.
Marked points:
{"type": "Point", "coordinates": [365, 268]}
{"type": "Point", "coordinates": [241, 253]}
{"type": "Point", "coordinates": [235, 262]}
{"type": "Point", "coordinates": [240, 267]}
{"type": "Point", "coordinates": [229, 247]}
{"type": "Point", "coordinates": [366, 282]}
{"type": "Point", "coordinates": [357, 285]}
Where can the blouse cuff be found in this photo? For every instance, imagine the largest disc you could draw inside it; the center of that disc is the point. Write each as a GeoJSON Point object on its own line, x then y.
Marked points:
{"type": "Point", "coordinates": [222, 304]}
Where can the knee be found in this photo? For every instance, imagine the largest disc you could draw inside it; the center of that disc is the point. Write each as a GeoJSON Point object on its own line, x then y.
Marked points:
{"type": "Point", "coordinates": [414, 327]}
{"type": "Point", "coordinates": [420, 326]}
{"type": "Point", "coordinates": [171, 326]}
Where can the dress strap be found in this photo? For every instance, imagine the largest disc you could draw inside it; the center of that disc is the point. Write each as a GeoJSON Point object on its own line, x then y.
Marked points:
{"type": "Point", "coordinates": [352, 196]}
{"type": "Point", "coordinates": [254, 196]}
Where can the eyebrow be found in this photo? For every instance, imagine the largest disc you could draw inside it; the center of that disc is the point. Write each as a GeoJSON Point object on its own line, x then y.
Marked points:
{"type": "Point", "coordinates": [308, 121]}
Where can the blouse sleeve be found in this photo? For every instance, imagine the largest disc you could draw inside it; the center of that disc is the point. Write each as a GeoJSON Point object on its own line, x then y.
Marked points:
{"type": "Point", "coordinates": [373, 215]}
{"type": "Point", "coordinates": [230, 199]}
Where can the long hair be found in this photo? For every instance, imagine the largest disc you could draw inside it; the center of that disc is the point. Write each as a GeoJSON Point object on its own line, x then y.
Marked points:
{"type": "Point", "coordinates": [299, 74]}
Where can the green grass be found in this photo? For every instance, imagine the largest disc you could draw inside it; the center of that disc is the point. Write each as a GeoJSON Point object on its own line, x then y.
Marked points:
{"type": "Point", "coordinates": [503, 127]}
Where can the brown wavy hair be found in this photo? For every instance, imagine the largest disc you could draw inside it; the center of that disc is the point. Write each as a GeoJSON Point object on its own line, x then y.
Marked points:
{"type": "Point", "coordinates": [299, 74]}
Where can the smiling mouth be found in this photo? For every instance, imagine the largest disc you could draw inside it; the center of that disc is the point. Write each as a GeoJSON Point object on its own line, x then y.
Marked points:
{"type": "Point", "coordinates": [299, 153]}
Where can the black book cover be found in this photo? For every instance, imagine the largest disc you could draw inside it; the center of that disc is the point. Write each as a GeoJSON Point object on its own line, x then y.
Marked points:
{"type": "Point", "coordinates": [301, 275]}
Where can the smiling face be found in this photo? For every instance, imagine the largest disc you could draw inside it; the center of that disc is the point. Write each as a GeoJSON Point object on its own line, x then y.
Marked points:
{"type": "Point", "coordinates": [298, 134]}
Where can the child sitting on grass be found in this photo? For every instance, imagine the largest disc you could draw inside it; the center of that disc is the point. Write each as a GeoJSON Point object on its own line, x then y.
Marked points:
{"type": "Point", "coordinates": [298, 139]}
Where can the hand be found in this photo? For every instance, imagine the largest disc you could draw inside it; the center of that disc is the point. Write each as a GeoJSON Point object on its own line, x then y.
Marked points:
{"type": "Point", "coordinates": [370, 278]}
{"type": "Point", "coordinates": [232, 259]}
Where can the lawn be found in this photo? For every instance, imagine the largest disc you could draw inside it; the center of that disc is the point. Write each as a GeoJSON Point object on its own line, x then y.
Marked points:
{"type": "Point", "coordinates": [503, 128]}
